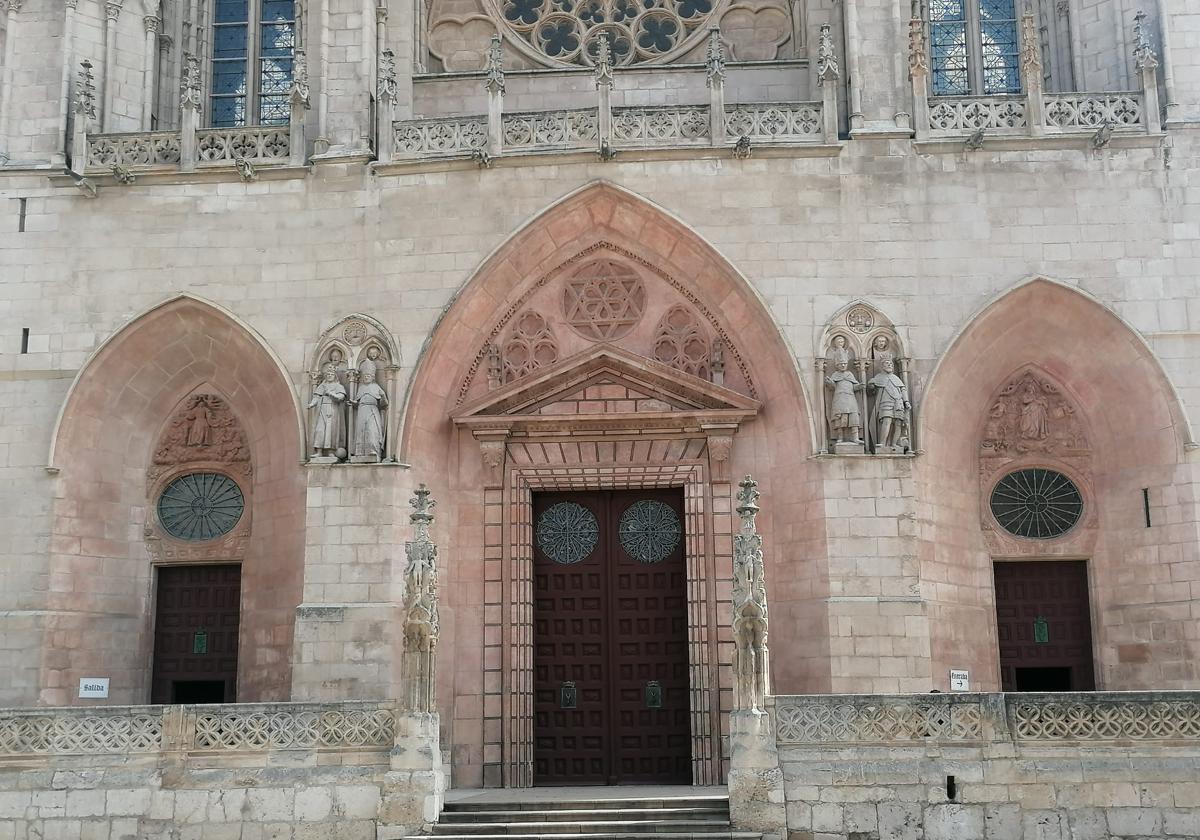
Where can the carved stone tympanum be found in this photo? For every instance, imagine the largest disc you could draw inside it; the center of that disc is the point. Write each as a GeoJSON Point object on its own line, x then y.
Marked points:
{"type": "Point", "coordinates": [1031, 414]}
{"type": "Point", "coordinates": [203, 431]}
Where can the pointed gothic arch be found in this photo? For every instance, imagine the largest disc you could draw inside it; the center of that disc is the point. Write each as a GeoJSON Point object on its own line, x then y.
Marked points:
{"type": "Point", "coordinates": [1137, 433]}
{"type": "Point", "coordinates": [103, 459]}
{"type": "Point", "coordinates": [662, 267]}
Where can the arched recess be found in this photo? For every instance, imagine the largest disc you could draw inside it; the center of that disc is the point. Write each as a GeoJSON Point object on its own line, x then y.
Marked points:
{"type": "Point", "coordinates": [1138, 433]}
{"type": "Point", "coordinates": [101, 600]}
{"type": "Point", "coordinates": [773, 447]}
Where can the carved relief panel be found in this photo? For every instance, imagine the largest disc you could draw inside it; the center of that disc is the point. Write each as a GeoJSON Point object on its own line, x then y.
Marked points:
{"type": "Point", "coordinates": [198, 484]}
{"type": "Point", "coordinates": [353, 378]}
{"type": "Point", "coordinates": [605, 295]}
{"type": "Point", "coordinates": [1035, 470]}
{"type": "Point", "coordinates": [863, 385]}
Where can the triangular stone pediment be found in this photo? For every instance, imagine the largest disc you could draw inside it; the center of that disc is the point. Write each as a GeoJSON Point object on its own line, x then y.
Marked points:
{"type": "Point", "coordinates": [607, 386]}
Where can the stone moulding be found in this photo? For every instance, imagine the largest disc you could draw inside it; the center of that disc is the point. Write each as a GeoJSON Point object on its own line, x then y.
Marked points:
{"type": "Point", "coordinates": [1099, 717]}
{"type": "Point", "coordinates": [234, 728]}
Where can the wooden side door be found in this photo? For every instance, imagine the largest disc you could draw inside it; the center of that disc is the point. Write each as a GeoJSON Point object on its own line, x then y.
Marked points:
{"type": "Point", "coordinates": [610, 642]}
{"type": "Point", "coordinates": [1044, 625]}
{"type": "Point", "coordinates": [196, 634]}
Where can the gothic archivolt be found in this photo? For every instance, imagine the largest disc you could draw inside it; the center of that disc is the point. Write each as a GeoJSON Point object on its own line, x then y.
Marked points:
{"type": "Point", "coordinates": [353, 383]}
{"type": "Point", "coordinates": [564, 33]}
{"type": "Point", "coordinates": [605, 295]}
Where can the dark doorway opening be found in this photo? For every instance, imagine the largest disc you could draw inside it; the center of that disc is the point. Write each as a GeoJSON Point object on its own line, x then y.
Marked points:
{"type": "Point", "coordinates": [196, 634]}
{"type": "Point", "coordinates": [198, 691]}
{"type": "Point", "coordinates": [1043, 679]}
{"type": "Point", "coordinates": [611, 689]}
{"type": "Point", "coordinates": [1044, 625]}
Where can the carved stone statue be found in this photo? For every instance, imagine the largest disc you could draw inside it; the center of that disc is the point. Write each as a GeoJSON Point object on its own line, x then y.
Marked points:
{"type": "Point", "coordinates": [845, 419]}
{"type": "Point", "coordinates": [750, 656]}
{"type": "Point", "coordinates": [327, 398]}
{"type": "Point", "coordinates": [891, 408]}
{"type": "Point", "coordinates": [369, 428]}
{"type": "Point", "coordinates": [199, 419]}
{"type": "Point", "coordinates": [1035, 423]}
{"type": "Point", "coordinates": [421, 620]}
{"type": "Point", "coordinates": [881, 348]}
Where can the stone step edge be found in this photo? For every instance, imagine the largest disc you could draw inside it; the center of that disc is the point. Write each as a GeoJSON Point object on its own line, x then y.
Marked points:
{"type": "Point", "coordinates": [501, 815]}
{"type": "Point", "coordinates": [589, 804]}
{"type": "Point", "coordinates": [580, 827]}
{"type": "Point", "coordinates": [383, 833]}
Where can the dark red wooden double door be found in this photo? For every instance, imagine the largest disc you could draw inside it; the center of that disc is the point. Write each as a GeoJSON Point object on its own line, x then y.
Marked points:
{"type": "Point", "coordinates": [1044, 626]}
{"type": "Point", "coordinates": [610, 639]}
{"type": "Point", "coordinates": [196, 634]}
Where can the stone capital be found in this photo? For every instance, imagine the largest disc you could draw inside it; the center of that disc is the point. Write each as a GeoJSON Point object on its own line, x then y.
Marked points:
{"type": "Point", "coordinates": [151, 23]}
{"type": "Point", "coordinates": [13, 6]}
{"type": "Point", "coordinates": [112, 9]}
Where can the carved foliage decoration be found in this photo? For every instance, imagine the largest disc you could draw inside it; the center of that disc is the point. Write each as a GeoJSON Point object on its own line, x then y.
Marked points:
{"type": "Point", "coordinates": [603, 300]}
{"type": "Point", "coordinates": [530, 346]}
{"type": "Point", "coordinates": [203, 431]}
{"type": "Point", "coordinates": [1030, 414]}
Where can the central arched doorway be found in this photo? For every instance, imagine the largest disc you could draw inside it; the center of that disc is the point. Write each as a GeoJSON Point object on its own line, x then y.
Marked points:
{"type": "Point", "coordinates": [605, 351]}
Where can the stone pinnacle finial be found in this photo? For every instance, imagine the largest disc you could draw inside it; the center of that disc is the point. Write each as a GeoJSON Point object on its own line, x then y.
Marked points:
{"type": "Point", "coordinates": [714, 64]}
{"type": "Point", "coordinates": [493, 81]}
{"type": "Point", "coordinates": [422, 506]}
{"type": "Point", "coordinates": [85, 91]}
{"type": "Point", "coordinates": [1143, 53]}
{"type": "Point", "coordinates": [827, 63]}
{"type": "Point", "coordinates": [604, 74]}
{"type": "Point", "coordinates": [748, 500]}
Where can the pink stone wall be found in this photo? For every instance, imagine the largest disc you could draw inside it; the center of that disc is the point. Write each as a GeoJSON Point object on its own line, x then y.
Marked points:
{"type": "Point", "coordinates": [99, 561]}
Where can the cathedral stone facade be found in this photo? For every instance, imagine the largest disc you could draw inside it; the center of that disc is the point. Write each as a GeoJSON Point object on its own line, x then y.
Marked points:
{"type": "Point", "coordinates": [928, 275]}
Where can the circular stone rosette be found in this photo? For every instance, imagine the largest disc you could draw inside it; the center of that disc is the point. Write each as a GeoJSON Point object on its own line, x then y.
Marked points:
{"type": "Point", "coordinates": [1036, 503]}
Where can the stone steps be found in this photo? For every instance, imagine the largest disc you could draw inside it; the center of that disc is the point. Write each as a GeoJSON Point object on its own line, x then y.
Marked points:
{"type": "Point", "coordinates": [540, 818]}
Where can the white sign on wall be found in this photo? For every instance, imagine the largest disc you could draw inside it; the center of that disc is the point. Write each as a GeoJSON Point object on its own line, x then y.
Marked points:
{"type": "Point", "coordinates": [960, 680]}
{"type": "Point", "coordinates": [95, 688]}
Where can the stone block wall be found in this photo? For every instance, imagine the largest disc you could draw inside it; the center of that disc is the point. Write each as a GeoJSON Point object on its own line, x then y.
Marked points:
{"type": "Point", "coordinates": [286, 771]}
{"type": "Point", "coordinates": [989, 766]}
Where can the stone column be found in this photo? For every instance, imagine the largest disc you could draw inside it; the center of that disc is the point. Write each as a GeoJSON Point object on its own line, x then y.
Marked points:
{"type": "Point", "coordinates": [299, 103]}
{"type": "Point", "coordinates": [756, 793]}
{"type": "Point", "coordinates": [714, 71]}
{"type": "Point", "coordinates": [493, 83]}
{"type": "Point", "coordinates": [149, 65]}
{"type": "Point", "coordinates": [868, 434]}
{"type": "Point", "coordinates": [918, 71]}
{"type": "Point", "coordinates": [1146, 63]}
{"type": "Point", "coordinates": [13, 10]}
{"type": "Point", "coordinates": [64, 93]}
{"type": "Point", "coordinates": [112, 13]}
{"type": "Point", "coordinates": [1031, 73]}
{"type": "Point", "coordinates": [604, 83]}
{"type": "Point", "coordinates": [822, 413]}
{"type": "Point", "coordinates": [85, 112]}
{"type": "Point", "coordinates": [828, 74]}
{"type": "Point", "coordinates": [191, 99]}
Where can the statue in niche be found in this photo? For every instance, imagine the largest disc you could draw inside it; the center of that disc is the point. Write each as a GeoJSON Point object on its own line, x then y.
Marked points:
{"type": "Point", "coordinates": [844, 417]}
{"type": "Point", "coordinates": [1034, 423]}
{"type": "Point", "coordinates": [891, 407]}
{"type": "Point", "coordinates": [328, 432]}
{"type": "Point", "coordinates": [880, 350]}
{"type": "Point", "coordinates": [199, 423]}
{"type": "Point", "coordinates": [368, 424]}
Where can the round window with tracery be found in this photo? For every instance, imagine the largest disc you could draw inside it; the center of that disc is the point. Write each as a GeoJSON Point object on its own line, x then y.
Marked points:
{"type": "Point", "coordinates": [567, 532]}
{"type": "Point", "coordinates": [604, 300]}
{"type": "Point", "coordinates": [200, 506]}
{"type": "Point", "coordinates": [650, 530]}
{"type": "Point", "coordinates": [1036, 503]}
{"type": "Point", "coordinates": [638, 31]}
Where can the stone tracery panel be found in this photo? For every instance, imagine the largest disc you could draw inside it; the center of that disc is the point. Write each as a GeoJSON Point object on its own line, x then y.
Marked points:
{"type": "Point", "coordinates": [603, 300]}
{"type": "Point", "coordinates": [530, 346]}
{"type": "Point", "coordinates": [681, 342]}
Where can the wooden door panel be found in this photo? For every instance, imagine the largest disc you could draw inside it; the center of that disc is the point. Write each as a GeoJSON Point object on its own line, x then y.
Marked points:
{"type": "Point", "coordinates": [617, 627]}
{"type": "Point", "coordinates": [1056, 591]}
{"type": "Point", "coordinates": [192, 599]}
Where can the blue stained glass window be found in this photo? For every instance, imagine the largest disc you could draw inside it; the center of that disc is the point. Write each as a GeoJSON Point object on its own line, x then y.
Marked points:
{"type": "Point", "coordinates": [962, 66]}
{"type": "Point", "coordinates": [239, 93]}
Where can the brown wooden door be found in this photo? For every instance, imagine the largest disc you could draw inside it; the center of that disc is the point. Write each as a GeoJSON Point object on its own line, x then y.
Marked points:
{"type": "Point", "coordinates": [610, 639]}
{"type": "Point", "coordinates": [196, 634]}
{"type": "Point", "coordinates": [1044, 626]}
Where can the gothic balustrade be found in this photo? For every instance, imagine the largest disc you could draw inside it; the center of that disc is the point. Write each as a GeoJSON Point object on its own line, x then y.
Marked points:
{"type": "Point", "coordinates": [231, 149]}
{"type": "Point", "coordinates": [1061, 114]}
{"type": "Point", "coordinates": [209, 730]}
{"type": "Point", "coordinates": [1102, 718]}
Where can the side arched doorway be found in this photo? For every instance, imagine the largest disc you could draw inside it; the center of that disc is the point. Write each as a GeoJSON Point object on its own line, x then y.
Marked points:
{"type": "Point", "coordinates": [606, 364]}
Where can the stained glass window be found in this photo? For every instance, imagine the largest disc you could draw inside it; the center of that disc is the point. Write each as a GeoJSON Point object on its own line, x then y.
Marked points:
{"type": "Point", "coordinates": [973, 47]}
{"type": "Point", "coordinates": [253, 43]}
